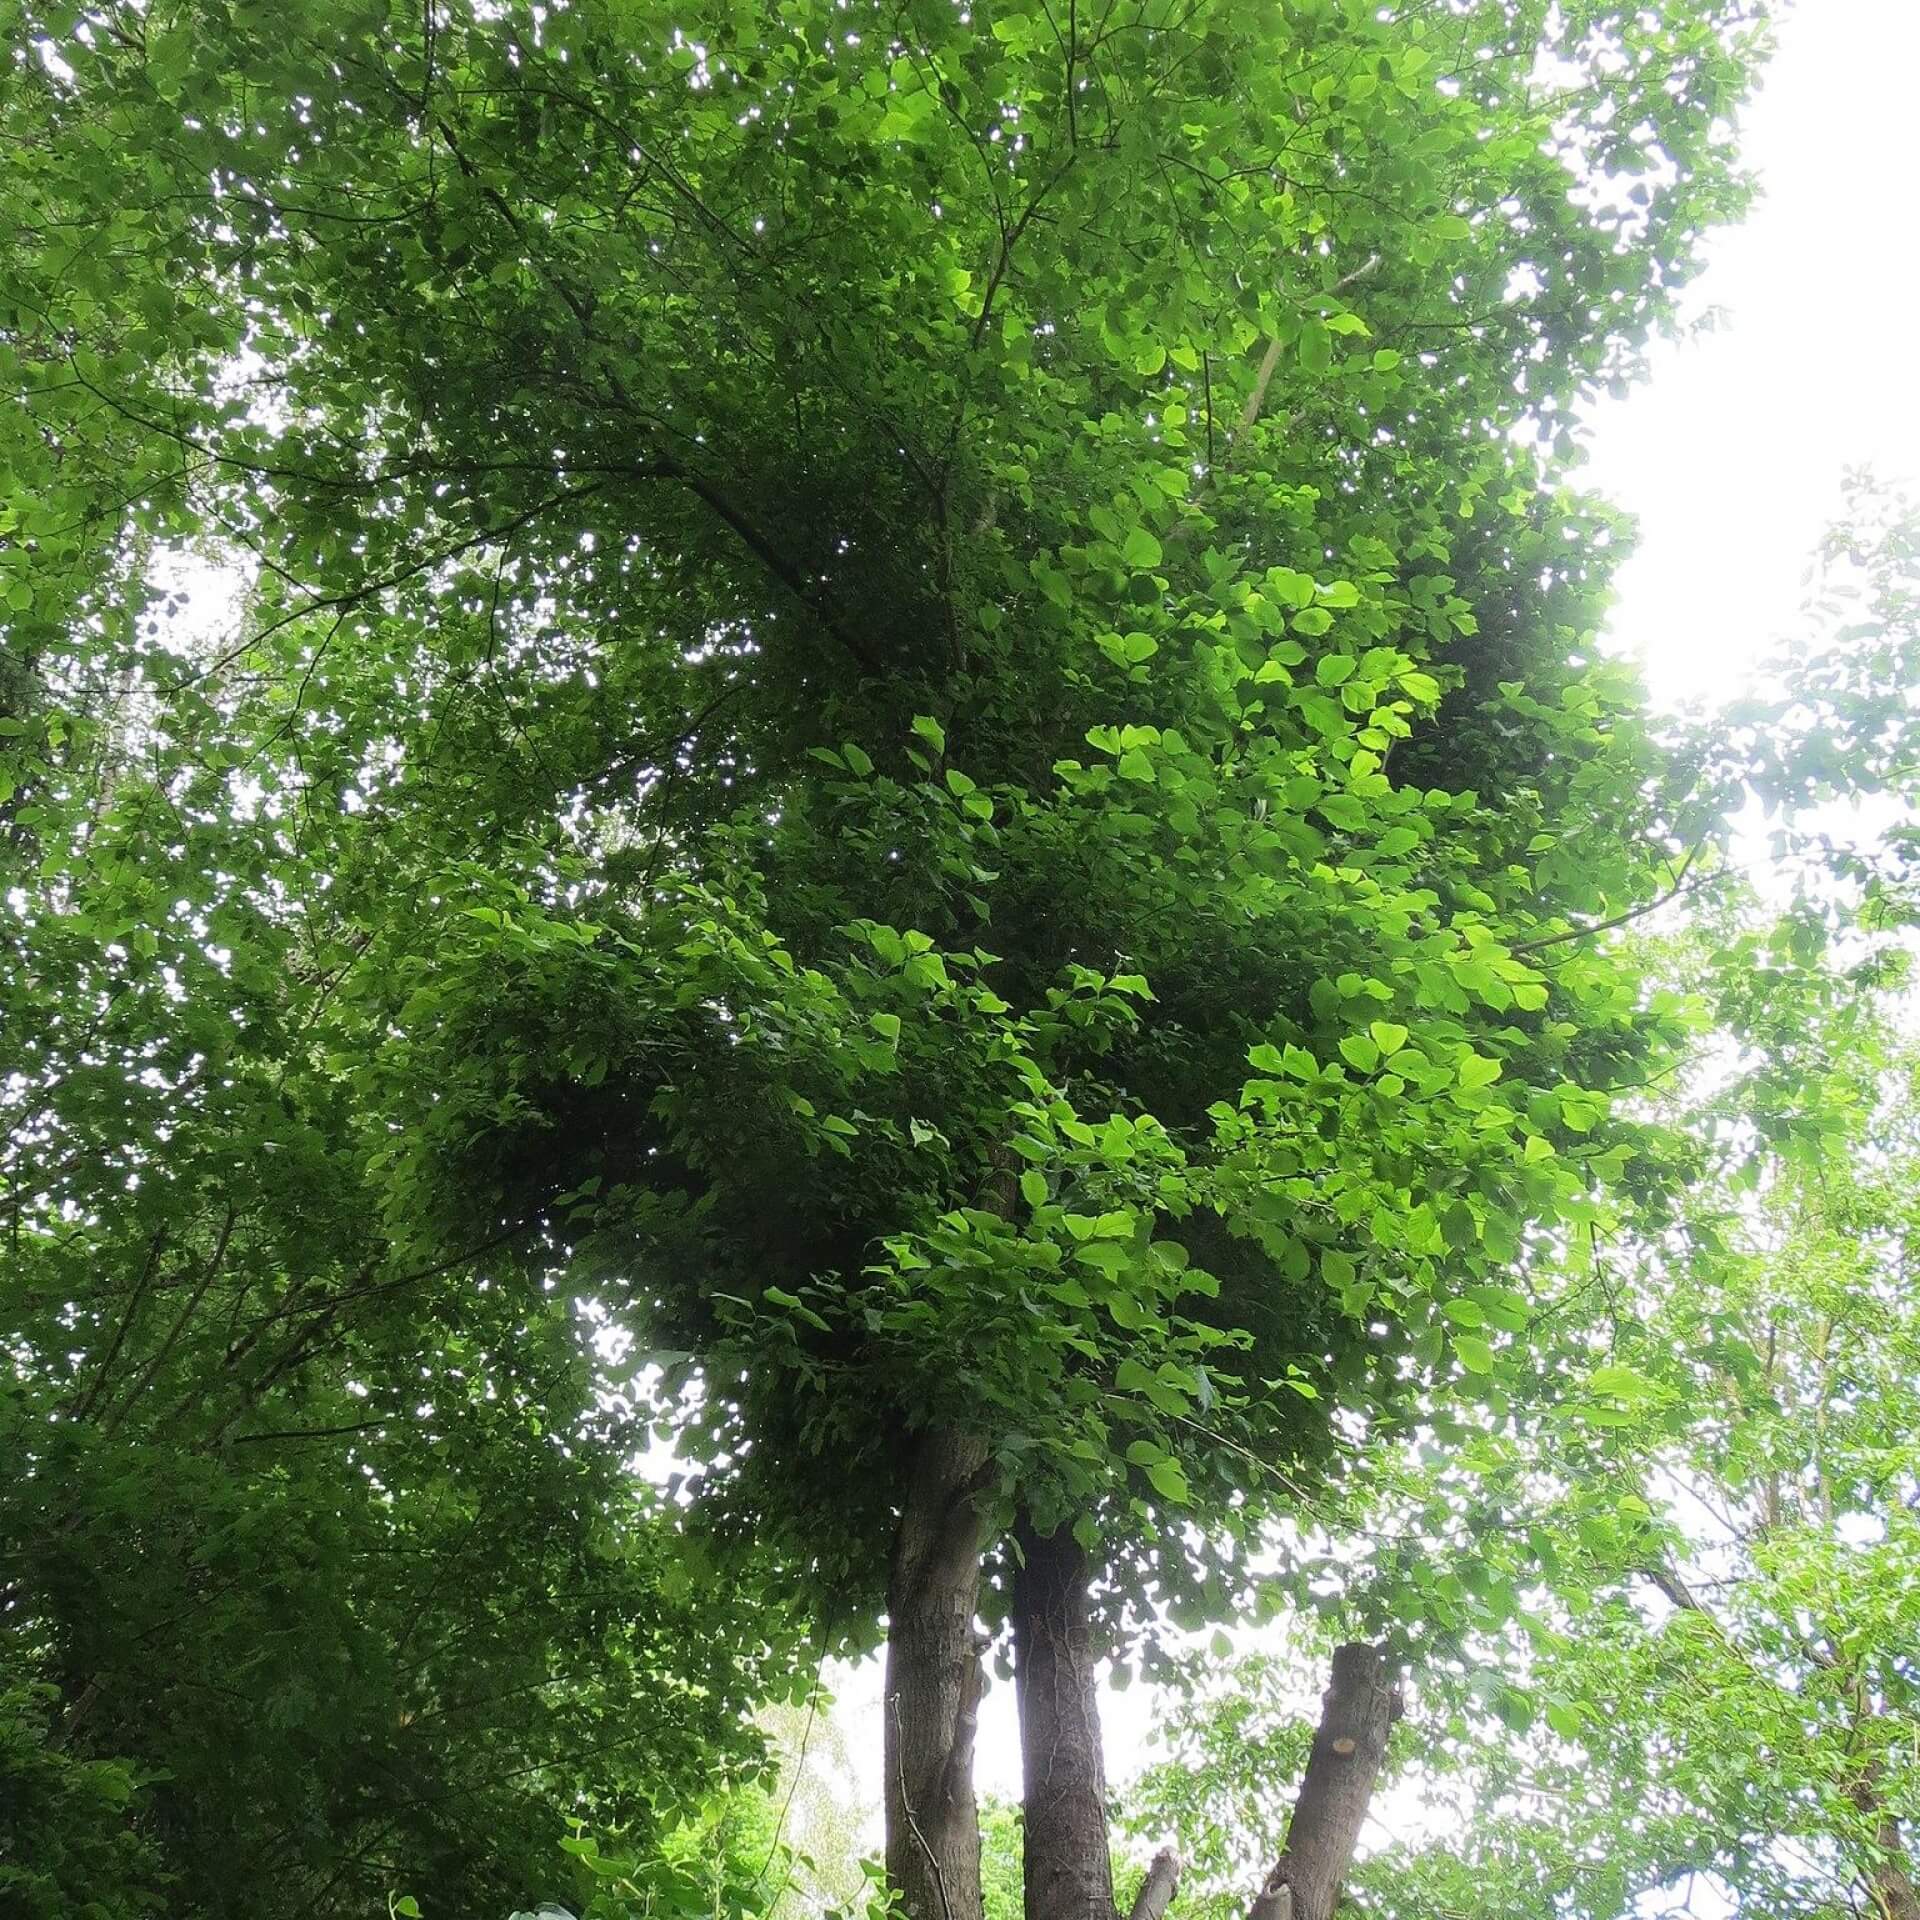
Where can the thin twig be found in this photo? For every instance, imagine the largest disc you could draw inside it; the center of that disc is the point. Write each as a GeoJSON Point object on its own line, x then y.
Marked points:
{"type": "Point", "coordinates": [1619, 919]}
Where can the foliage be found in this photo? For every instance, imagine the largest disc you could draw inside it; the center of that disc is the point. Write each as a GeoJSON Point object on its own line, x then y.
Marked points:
{"type": "Point", "coordinates": [1718, 1686]}
{"type": "Point", "coordinates": [652, 589]}
{"type": "Point", "coordinates": [1217, 1785]}
{"type": "Point", "coordinates": [65, 1843]}
{"type": "Point", "coordinates": [1000, 1860]}
{"type": "Point", "coordinates": [749, 1852]}
{"type": "Point", "coordinates": [908, 735]}
{"type": "Point", "coordinates": [335, 1689]}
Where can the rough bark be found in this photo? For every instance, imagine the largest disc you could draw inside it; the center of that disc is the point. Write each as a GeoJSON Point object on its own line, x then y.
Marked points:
{"type": "Point", "coordinates": [1893, 1890]}
{"type": "Point", "coordinates": [1889, 1874]}
{"type": "Point", "coordinates": [933, 1682]}
{"type": "Point", "coordinates": [1358, 1711]}
{"type": "Point", "coordinates": [1067, 1866]}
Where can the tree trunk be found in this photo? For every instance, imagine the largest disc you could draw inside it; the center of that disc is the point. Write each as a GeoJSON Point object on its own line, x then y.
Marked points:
{"type": "Point", "coordinates": [1356, 1715]}
{"type": "Point", "coordinates": [933, 1682]}
{"type": "Point", "coordinates": [1068, 1869]}
{"type": "Point", "coordinates": [1893, 1891]}
{"type": "Point", "coordinates": [1889, 1873]}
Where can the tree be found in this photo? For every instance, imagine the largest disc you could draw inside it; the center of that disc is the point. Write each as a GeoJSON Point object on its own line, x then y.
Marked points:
{"type": "Point", "coordinates": [906, 703]}
{"type": "Point", "coordinates": [1742, 1681]}
{"type": "Point", "coordinates": [1718, 1688]}
{"type": "Point", "coordinates": [299, 1625]}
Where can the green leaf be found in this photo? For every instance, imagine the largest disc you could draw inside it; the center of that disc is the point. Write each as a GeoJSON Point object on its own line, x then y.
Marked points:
{"type": "Point", "coordinates": [1475, 1354]}
{"type": "Point", "coordinates": [1170, 1482]}
{"type": "Point", "coordinates": [1141, 550]}
{"type": "Point", "coordinates": [927, 970]}
{"type": "Point", "coordinates": [1564, 1718]}
{"type": "Point", "coordinates": [1619, 1383]}
{"type": "Point", "coordinates": [1361, 1051]}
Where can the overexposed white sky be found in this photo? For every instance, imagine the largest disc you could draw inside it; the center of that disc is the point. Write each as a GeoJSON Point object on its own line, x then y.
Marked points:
{"type": "Point", "coordinates": [1732, 457]}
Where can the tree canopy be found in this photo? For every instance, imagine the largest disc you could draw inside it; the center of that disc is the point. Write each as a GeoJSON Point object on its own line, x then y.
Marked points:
{"type": "Point", "coordinates": [814, 835]}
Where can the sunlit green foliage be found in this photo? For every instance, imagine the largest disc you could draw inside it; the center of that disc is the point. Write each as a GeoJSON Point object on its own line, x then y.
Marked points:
{"type": "Point", "coordinates": [1714, 1696]}
{"type": "Point", "coordinates": [760, 728]}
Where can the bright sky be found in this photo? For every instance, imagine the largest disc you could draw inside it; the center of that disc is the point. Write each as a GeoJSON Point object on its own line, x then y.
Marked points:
{"type": "Point", "coordinates": [1732, 457]}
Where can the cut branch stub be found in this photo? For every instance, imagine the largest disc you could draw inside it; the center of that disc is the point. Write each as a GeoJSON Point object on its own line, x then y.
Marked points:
{"type": "Point", "coordinates": [1158, 1888]}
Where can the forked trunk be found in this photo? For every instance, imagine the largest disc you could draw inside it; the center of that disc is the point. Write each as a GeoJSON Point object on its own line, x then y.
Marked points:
{"type": "Point", "coordinates": [933, 1683]}
{"type": "Point", "coordinates": [1356, 1715]}
{"type": "Point", "coordinates": [1068, 1870]}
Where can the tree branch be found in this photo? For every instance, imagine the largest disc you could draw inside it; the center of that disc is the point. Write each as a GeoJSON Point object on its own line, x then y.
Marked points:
{"type": "Point", "coordinates": [1619, 919]}
{"type": "Point", "coordinates": [308, 1433]}
{"type": "Point", "coordinates": [1255, 401]}
{"type": "Point", "coordinates": [1158, 1888]}
{"type": "Point", "coordinates": [1349, 1746]}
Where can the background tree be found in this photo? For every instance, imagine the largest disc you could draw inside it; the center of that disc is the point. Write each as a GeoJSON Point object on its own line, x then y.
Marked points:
{"type": "Point", "coordinates": [1716, 1694]}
